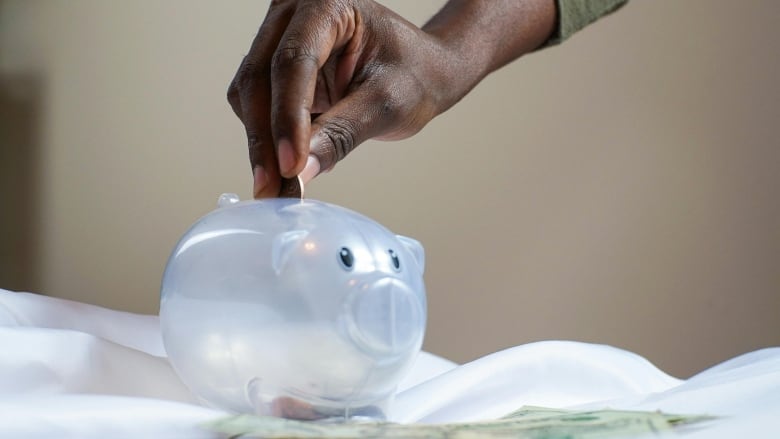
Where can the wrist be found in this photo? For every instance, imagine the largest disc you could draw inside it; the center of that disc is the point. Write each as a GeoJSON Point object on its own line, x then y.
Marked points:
{"type": "Point", "coordinates": [477, 37]}
{"type": "Point", "coordinates": [459, 66]}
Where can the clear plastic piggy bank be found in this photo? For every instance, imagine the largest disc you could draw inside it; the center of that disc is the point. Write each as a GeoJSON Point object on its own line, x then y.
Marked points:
{"type": "Point", "coordinates": [293, 308]}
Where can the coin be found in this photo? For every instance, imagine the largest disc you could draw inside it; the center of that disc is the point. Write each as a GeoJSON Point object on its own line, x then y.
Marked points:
{"type": "Point", "coordinates": [291, 188]}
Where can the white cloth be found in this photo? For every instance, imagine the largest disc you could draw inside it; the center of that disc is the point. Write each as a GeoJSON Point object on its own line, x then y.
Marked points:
{"type": "Point", "coordinates": [76, 370]}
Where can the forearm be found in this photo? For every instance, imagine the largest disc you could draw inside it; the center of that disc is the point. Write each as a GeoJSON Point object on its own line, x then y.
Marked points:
{"type": "Point", "coordinates": [484, 35]}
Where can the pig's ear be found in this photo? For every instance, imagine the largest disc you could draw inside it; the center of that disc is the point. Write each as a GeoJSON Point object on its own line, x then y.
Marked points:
{"type": "Point", "coordinates": [284, 246]}
{"type": "Point", "coordinates": [416, 249]}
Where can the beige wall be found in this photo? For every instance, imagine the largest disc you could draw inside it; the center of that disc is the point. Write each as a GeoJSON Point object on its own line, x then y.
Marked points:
{"type": "Point", "coordinates": [623, 188]}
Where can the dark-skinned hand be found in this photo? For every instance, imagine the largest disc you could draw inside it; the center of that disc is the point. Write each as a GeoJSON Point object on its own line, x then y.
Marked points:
{"type": "Point", "coordinates": [323, 76]}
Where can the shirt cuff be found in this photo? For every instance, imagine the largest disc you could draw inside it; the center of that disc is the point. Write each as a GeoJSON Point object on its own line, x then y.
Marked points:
{"type": "Point", "coordinates": [574, 15]}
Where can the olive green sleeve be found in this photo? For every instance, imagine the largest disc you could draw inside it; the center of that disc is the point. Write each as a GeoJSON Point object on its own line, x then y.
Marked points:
{"type": "Point", "coordinates": [574, 15]}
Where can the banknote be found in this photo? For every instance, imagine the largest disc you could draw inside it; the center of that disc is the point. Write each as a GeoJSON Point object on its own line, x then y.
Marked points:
{"type": "Point", "coordinates": [525, 423]}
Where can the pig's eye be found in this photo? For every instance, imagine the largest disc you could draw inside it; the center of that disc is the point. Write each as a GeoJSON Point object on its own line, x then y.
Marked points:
{"type": "Point", "coordinates": [346, 258]}
{"type": "Point", "coordinates": [394, 258]}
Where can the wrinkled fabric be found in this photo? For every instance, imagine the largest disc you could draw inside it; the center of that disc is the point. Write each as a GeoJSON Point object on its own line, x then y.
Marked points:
{"type": "Point", "coordinates": [80, 371]}
{"type": "Point", "coordinates": [574, 15]}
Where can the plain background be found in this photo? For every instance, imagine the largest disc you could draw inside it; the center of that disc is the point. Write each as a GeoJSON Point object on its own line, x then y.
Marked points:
{"type": "Point", "coordinates": [623, 188]}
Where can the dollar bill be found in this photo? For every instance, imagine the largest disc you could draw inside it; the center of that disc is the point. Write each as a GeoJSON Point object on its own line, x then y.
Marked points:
{"type": "Point", "coordinates": [525, 423]}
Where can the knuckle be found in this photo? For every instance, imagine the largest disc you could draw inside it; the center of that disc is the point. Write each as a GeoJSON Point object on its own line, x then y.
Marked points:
{"type": "Point", "coordinates": [233, 95]}
{"type": "Point", "coordinates": [291, 53]}
{"type": "Point", "coordinates": [325, 8]}
{"type": "Point", "coordinates": [341, 136]}
{"type": "Point", "coordinates": [253, 142]}
{"type": "Point", "coordinates": [336, 9]}
{"type": "Point", "coordinates": [388, 104]}
{"type": "Point", "coordinates": [249, 71]}
{"type": "Point", "coordinates": [253, 139]}
{"type": "Point", "coordinates": [299, 46]}
{"type": "Point", "coordinates": [247, 82]}
{"type": "Point", "coordinates": [257, 146]}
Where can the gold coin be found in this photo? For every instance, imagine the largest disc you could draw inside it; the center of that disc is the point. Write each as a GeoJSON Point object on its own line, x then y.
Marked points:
{"type": "Point", "coordinates": [291, 188]}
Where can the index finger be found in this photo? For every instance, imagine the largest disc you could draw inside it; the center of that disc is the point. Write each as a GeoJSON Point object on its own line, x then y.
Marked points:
{"type": "Point", "coordinates": [250, 97]}
{"type": "Point", "coordinates": [314, 32]}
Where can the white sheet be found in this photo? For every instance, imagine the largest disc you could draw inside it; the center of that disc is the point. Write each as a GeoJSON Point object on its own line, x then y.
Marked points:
{"type": "Point", "coordinates": [76, 370]}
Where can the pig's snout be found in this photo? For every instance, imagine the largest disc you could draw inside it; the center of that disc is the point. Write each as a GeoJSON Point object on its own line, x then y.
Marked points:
{"type": "Point", "coordinates": [384, 317]}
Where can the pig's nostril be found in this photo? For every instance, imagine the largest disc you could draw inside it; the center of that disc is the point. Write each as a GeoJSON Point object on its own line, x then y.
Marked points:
{"type": "Point", "coordinates": [385, 319]}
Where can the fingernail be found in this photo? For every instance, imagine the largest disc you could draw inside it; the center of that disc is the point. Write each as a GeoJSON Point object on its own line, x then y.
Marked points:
{"type": "Point", "coordinates": [286, 157]}
{"type": "Point", "coordinates": [261, 179]}
{"type": "Point", "coordinates": [311, 169]}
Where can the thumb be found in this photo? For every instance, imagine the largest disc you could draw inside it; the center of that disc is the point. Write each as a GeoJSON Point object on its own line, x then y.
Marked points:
{"type": "Point", "coordinates": [359, 116]}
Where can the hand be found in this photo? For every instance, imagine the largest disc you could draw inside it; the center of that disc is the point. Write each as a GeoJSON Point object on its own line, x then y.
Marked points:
{"type": "Point", "coordinates": [322, 76]}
